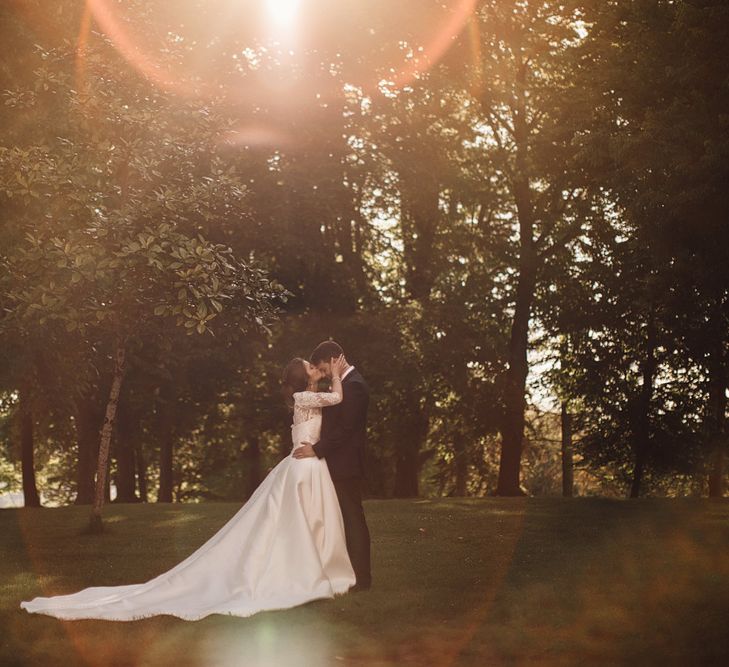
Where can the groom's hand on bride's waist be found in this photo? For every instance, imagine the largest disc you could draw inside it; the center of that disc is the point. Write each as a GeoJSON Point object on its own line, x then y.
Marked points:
{"type": "Point", "coordinates": [305, 451]}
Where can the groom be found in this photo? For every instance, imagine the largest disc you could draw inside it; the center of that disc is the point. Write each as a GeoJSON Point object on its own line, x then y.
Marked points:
{"type": "Point", "coordinates": [342, 444]}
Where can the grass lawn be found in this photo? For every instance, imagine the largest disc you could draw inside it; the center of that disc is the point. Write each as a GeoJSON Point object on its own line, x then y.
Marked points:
{"type": "Point", "coordinates": [496, 581]}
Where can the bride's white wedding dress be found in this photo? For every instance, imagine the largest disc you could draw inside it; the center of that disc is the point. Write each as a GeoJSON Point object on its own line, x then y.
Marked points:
{"type": "Point", "coordinates": [284, 547]}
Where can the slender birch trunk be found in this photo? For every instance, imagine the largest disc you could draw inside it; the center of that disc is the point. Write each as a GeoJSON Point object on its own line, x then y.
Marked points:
{"type": "Point", "coordinates": [95, 523]}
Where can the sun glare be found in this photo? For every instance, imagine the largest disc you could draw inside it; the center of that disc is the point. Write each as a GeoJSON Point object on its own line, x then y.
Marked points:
{"type": "Point", "coordinates": [282, 12]}
{"type": "Point", "coordinates": [213, 47]}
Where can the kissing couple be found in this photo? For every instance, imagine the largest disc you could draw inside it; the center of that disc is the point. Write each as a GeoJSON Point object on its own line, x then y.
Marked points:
{"type": "Point", "coordinates": [301, 536]}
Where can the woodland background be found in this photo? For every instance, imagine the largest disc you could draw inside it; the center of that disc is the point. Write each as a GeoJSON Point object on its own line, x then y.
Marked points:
{"type": "Point", "coordinates": [515, 225]}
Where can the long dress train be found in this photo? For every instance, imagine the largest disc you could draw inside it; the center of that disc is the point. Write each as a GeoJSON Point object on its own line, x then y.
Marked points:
{"type": "Point", "coordinates": [284, 547]}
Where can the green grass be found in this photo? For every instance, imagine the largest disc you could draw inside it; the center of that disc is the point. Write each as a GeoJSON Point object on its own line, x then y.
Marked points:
{"type": "Point", "coordinates": [537, 581]}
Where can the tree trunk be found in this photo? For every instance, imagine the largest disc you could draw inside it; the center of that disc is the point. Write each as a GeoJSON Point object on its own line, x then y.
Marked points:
{"type": "Point", "coordinates": [512, 431]}
{"type": "Point", "coordinates": [698, 482]}
{"type": "Point", "coordinates": [641, 420]}
{"type": "Point", "coordinates": [406, 471]}
{"type": "Point", "coordinates": [141, 473]}
{"type": "Point", "coordinates": [567, 461]}
{"type": "Point", "coordinates": [637, 475]}
{"type": "Point", "coordinates": [107, 478]}
{"type": "Point", "coordinates": [30, 490]}
{"type": "Point", "coordinates": [407, 465]}
{"type": "Point", "coordinates": [125, 479]}
{"type": "Point", "coordinates": [95, 523]}
{"type": "Point", "coordinates": [124, 451]}
{"type": "Point", "coordinates": [87, 437]}
{"type": "Point", "coordinates": [166, 452]}
{"type": "Point", "coordinates": [716, 476]}
{"type": "Point", "coordinates": [717, 404]}
{"type": "Point", "coordinates": [461, 462]}
{"type": "Point", "coordinates": [358, 235]}
{"type": "Point", "coordinates": [419, 220]}
{"type": "Point", "coordinates": [166, 477]}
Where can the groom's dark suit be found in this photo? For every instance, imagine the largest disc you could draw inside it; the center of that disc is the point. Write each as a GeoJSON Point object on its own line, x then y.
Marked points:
{"type": "Point", "coordinates": [342, 444]}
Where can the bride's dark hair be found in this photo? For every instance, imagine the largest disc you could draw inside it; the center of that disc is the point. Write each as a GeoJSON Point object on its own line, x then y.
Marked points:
{"type": "Point", "coordinates": [295, 378]}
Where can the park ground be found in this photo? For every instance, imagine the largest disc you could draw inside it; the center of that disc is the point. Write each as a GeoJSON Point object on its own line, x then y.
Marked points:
{"type": "Point", "coordinates": [494, 581]}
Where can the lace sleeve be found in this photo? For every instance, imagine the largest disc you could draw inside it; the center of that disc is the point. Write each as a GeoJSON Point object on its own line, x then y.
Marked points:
{"type": "Point", "coordinates": [316, 399]}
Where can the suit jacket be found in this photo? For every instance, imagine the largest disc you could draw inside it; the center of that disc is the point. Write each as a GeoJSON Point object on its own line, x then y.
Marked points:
{"type": "Point", "coordinates": [344, 430]}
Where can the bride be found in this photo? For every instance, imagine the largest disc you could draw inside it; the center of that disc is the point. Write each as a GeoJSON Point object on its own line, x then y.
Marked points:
{"type": "Point", "coordinates": [284, 547]}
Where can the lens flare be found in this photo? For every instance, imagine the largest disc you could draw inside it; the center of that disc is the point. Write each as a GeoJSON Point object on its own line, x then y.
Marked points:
{"type": "Point", "coordinates": [216, 36]}
{"type": "Point", "coordinates": [118, 31]}
{"type": "Point", "coordinates": [441, 41]}
{"type": "Point", "coordinates": [283, 12]}
{"type": "Point", "coordinates": [287, 58]}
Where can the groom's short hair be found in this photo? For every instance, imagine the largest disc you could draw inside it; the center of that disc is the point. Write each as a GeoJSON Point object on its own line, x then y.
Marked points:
{"type": "Point", "coordinates": [325, 351]}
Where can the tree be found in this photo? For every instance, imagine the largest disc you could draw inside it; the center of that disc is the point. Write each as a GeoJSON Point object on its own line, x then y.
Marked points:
{"type": "Point", "coordinates": [660, 151]}
{"type": "Point", "coordinates": [111, 279]}
{"type": "Point", "coordinates": [520, 81]}
{"type": "Point", "coordinates": [109, 259]}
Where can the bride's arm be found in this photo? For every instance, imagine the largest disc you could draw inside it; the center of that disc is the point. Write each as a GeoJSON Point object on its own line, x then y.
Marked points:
{"type": "Point", "coordinates": [320, 399]}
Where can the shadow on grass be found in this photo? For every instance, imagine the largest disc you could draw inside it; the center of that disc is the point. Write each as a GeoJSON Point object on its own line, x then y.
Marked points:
{"type": "Point", "coordinates": [493, 581]}
{"type": "Point", "coordinates": [597, 581]}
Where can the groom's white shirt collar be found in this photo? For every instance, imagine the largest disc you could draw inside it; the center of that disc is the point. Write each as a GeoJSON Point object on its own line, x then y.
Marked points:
{"type": "Point", "coordinates": [347, 372]}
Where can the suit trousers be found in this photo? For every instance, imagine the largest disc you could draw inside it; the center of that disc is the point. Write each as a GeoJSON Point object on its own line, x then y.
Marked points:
{"type": "Point", "coordinates": [349, 493]}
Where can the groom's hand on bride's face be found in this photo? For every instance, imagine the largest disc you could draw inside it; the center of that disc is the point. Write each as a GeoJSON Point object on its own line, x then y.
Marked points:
{"type": "Point", "coordinates": [305, 451]}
